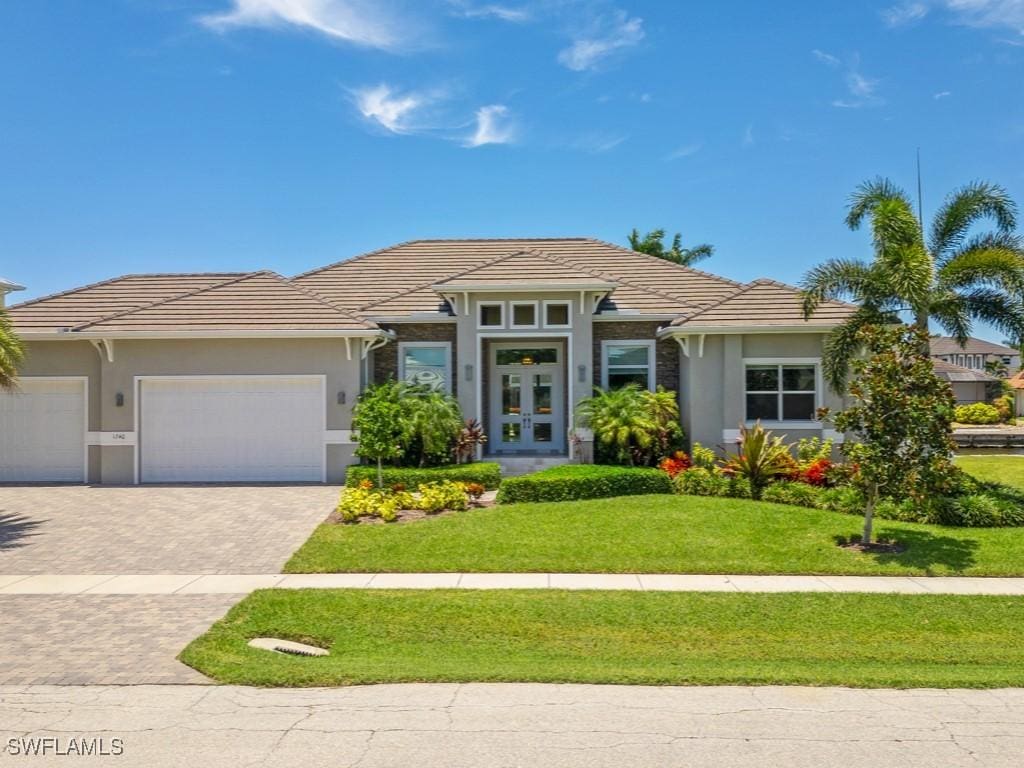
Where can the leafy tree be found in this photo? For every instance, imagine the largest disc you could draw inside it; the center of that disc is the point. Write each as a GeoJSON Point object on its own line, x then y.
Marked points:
{"type": "Point", "coordinates": [380, 428]}
{"type": "Point", "coordinates": [997, 367]}
{"type": "Point", "coordinates": [12, 353]}
{"type": "Point", "coordinates": [653, 245]}
{"type": "Point", "coordinates": [953, 279]}
{"type": "Point", "coordinates": [901, 419]}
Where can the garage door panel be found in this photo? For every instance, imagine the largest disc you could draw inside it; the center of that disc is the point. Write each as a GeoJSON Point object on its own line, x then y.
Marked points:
{"type": "Point", "coordinates": [232, 429]}
{"type": "Point", "coordinates": [42, 431]}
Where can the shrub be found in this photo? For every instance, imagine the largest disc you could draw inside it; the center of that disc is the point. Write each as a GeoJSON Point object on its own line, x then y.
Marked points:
{"type": "Point", "coordinates": [760, 458]}
{"type": "Point", "coordinates": [361, 502]}
{"type": "Point", "coordinates": [798, 494]}
{"type": "Point", "coordinates": [818, 472]}
{"type": "Point", "coordinates": [811, 449]}
{"type": "Point", "coordinates": [1004, 405]}
{"type": "Point", "coordinates": [631, 425]}
{"type": "Point", "coordinates": [977, 510]}
{"type": "Point", "coordinates": [486, 473]}
{"type": "Point", "coordinates": [674, 464]}
{"type": "Point", "coordinates": [702, 457]}
{"type": "Point", "coordinates": [699, 481]}
{"type": "Point", "coordinates": [572, 482]}
{"type": "Point", "coordinates": [846, 499]}
{"type": "Point", "coordinates": [976, 413]}
{"type": "Point", "coordinates": [437, 497]}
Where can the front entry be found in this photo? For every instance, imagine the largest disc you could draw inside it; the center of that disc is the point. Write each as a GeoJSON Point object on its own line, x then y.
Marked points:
{"type": "Point", "coordinates": [527, 399]}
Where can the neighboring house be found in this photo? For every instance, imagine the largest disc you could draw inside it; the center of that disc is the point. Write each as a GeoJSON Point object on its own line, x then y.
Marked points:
{"type": "Point", "coordinates": [1016, 383]}
{"type": "Point", "coordinates": [969, 386]}
{"type": "Point", "coordinates": [6, 286]}
{"type": "Point", "coordinates": [251, 376]}
{"type": "Point", "coordinates": [975, 354]}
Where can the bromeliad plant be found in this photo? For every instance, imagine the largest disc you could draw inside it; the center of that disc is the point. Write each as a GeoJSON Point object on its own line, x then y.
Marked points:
{"type": "Point", "coordinates": [760, 458]}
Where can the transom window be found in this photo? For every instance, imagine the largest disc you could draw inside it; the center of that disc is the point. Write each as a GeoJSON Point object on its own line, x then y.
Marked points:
{"type": "Point", "coordinates": [556, 314]}
{"type": "Point", "coordinates": [526, 355]}
{"type": "Point", "coordinates": [492, 314]}
{"type": "Point", "coordinates": [524, 314]}
{"type": "Point", "coordinates": [627, 362]}
{"type": "Point", "coordinates": [425, 363]}
{"type": "Point", "coordinates": [781, 392]}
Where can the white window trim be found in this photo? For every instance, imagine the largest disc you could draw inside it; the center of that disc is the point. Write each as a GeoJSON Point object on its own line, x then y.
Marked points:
{"type": "Point", "coordinates": [512, 315]}
{"type": "Point", "coordinates": [652, 359]}
{"type": "Point", "coordinates": [560, 303]}
{"type": "Point", "coordinates": [447, 345]}
{"type": "Point", "coordinates": [818, 390]}
{"type": "Point", "coordinates": [501, 310]}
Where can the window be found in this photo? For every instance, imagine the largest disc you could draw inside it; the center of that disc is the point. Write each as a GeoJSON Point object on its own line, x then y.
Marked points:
{"type": "Point", "coordinates": [627, 362]}
{"type": "Point", "coordinates": [524, 314]}
{"type": "Point", "coordinates": [492, 315]}
{"type": "Point", "coordinates": [425, 362]}
{"type": "Point", "coordinates": [525, 355]}
{"type": "Point", "coordinates": [781, 391]}
{"type": "Point", "coordinates": [556, 314]}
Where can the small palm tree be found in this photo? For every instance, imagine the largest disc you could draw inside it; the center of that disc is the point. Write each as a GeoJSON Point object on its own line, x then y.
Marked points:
{"type": "Point", "coordinates": [620, 419]}
{"type": "Point", "coordinates": [760, 458]}
{"type": "Point", "coordinates": [12, 353]}
{"type": "Point", "coordinates": [953, 279]}
{"type": "Point", "coordinates": [653, 245]}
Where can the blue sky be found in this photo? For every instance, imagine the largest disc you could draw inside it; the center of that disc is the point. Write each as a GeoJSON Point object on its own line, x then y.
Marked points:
{"type": "Point", "coordinates": [174, 135]}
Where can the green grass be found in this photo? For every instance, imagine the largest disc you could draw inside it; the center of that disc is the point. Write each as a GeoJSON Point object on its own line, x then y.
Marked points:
{"type": "Point", "coordinates": [655, 534]}
{"type": "Point", "coordinates": [997, 469]}
{"type": "Point", "coordinates": [618, 637]}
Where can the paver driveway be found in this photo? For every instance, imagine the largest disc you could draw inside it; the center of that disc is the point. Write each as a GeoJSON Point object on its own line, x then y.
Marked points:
{"type": "Point", "coordinates": [156, 529]}
{"type": "Point", "coordinates": [96, 639]}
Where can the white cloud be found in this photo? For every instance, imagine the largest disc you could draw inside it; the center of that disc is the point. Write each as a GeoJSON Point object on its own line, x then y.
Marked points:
{"type": "Point", "coordinates": [861, 90]}
{"type": "Point", "coordinates": [597, 143]}
{"type": "Point", "coordinates": [904, 13]}
{"type": "Point", "coordinates": [826, 58]}
{"type": "Point", "coordinates": [470, 10]}
{"type": "Point", "coordinates": [686, 150]}
{"type": "Point", "coordinates": [606, 35]}
{"type": "Point", "coordinates": [362, 22]}
{"type": "Point", "coordinates": [989, 13]}
{"type": "Point", "coordinates": [942, 95]}
{"type": "Point", "coordinates": [494, 125]}
{"type": "Point", "coordinates": [389, 109]}
{"type": "Point", "coordinates": [748, 137]}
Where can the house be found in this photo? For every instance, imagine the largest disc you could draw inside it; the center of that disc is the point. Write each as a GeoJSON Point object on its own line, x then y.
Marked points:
{"type": "Point", "coordinates": [969, 385]}
{"type": "Point", "coordinates": [252, 376]}
{"type": "Point", "coordinates": [1016, 383]}
{"type": "Point", "coordinates": [975, 354]}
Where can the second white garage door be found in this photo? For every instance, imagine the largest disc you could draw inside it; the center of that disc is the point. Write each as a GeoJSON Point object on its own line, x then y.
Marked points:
{"type": "Point", "coordinates": [232, 429]}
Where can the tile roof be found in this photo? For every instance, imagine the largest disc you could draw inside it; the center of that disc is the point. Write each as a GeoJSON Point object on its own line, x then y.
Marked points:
{"type": "Point", "coordinates": [1016, 381]}
{"type": "Point", "coordinates": [259, 301]}
{"type": "Point", "coordinates": [98, 300]}
{"type": "Point", "coordinates": [951, 372]}
{"type": "Point", "coordinates": [526, 268]}
{"type": "Point", "coordinates": [766, 303]}
{"type": "Point", "coordinates": [945, 345]}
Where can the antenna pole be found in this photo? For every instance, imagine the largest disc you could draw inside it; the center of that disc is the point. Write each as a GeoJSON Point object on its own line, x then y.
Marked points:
{"type": "Point", "coordinates": [920, 208]}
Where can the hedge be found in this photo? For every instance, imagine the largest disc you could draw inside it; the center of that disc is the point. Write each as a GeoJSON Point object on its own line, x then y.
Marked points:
{"type": "Point", "coordinates": [572, 482]}
{"type": "Point", "coordinates": [487, 473]}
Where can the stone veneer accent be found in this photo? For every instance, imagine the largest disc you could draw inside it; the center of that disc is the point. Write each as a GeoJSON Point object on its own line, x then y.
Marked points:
{"type": "Point", "coordinates": [666, 350]}
{"type": "Point", "coordinates": [385, 359]}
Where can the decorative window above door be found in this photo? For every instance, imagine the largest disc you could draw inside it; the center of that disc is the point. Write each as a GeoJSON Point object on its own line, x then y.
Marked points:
{"type": "Point", "coordinates": [526, 355]}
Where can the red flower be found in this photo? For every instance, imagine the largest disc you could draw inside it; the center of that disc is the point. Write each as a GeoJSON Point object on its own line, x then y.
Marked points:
{"type": "Point", "coordinates": [676, 463]}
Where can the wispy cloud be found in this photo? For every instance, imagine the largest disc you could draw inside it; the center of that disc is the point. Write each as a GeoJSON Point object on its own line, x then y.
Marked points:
{"type": "Point", "coordinates": [826, 58]}
{"type": "Point", "coordinates": [362, 22]}
{"type": "Point", "coordinates": [860, 89]}
{"type": "Point", "coordinates": [904, 13]}
{"type": "Point", "coordinates": [748, 137]}
{"type": "Point", "coordinates": [391, 110]}
{"type": "Point", "coordinates": [494, 125]}
{"type": "Point", "coordinates": [469, 10]}
{"type": "Point", "coordinates": [597, 143]}
{"type": "Point", "coordinates": [687, 150]}
{"type": "Point", "coordinates": [942, 95]}
{"type": "Point", "coordinates": [604, 36]}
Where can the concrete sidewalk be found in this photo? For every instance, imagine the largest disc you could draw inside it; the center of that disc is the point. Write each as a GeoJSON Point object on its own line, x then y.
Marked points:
{"type": "Point", "coordinates": [238, 584]}
{"type": "Point", "coordinates": [495, 725]}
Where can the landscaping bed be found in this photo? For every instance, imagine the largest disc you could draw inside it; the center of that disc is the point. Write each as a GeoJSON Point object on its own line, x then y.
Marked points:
{"type": "Point", "coordinates": [395, 636]}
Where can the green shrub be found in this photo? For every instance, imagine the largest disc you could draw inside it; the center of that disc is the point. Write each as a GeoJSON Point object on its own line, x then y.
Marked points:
{"type": "Point", "coordinates": [572, 482]}
{"type": "Point", "coordinates": [798, 494]}
{"type": "Point", "coordinates": [699, 481]}
{"type": "Point", "coordinates": [361, 502]}
{"type": "Point", "coordinates": [703, 458]}
{"type": "Point", "coordinates": [486, 473]}
{"type": "Point", "coordinates": [437, 497]}
{"type": "Point", "coordinates": [810, 449]}
{"type": "Point", "coordinates": [842, 499]}
{"type": "Point", "coordinates": [976, 413]}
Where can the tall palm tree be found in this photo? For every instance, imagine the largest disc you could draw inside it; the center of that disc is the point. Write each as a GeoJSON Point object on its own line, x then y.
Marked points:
{"type": "Point", "coordinates": [12, 353]}
{"type": "Point", "coordinates": [653, 245]}
{"type": "Point", "coordinates": [950, 278]}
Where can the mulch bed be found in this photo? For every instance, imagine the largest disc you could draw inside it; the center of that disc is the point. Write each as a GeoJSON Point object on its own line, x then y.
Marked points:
{"type": "Point", "coordinates": [404, 515]}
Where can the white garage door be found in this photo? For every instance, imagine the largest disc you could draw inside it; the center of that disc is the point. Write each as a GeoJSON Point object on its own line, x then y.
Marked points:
{"type": "Point", "coordinates": [42, 431]}
{"type": "Point", "coordinates": [232, 429]}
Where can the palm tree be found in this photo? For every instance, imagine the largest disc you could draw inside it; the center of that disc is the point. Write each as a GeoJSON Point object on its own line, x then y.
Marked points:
{"type": "Point", "coordinates": [12, 353]}
{"type": "Point", "coordinates": [953, 279]}
{"type": "Point", "coordinates": [653, 245]}
{"type": "Point", "coordinates": [620, 419]}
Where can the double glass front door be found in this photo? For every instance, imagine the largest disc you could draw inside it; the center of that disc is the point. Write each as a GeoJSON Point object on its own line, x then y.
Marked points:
{"type": "Point", "coordinates": [527, 413]}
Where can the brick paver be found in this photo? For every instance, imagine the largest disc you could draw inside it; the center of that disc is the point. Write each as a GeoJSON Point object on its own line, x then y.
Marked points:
{"type": "Point", "coordinates": [156, 529]}
{"type": "Point", "coordinates": [102, 639]}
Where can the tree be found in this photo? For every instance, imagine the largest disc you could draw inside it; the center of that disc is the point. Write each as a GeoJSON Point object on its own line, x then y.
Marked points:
{"type": "Point", "coordinates": [901, 421]}
{"type": "Point", "coordinates": [12, 353]}
{"type": "Point", "coordinates": [953, 280]}
{"type": "Point", "coordinates": [380, 430]}
{"type": "Point", "coordinates": [653, 245]}
{"type": "Point", "coordinates": [997, 368]}
{"type": "Point", "coordinates": [632, 424]}
{"type": "Point", "coordinates": [434, 422]}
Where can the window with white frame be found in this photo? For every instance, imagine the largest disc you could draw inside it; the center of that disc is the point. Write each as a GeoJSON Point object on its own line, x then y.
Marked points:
{"type": "Point", "coordinates": [781, 391]}
{"type": "Point", "coordinates": [557, 314]}
{"type": "Point", "coordinates": [491, 314]}
{"type": "Point", "coordinates": [426, 362]}
{"type": "Point", "coordinates": [523, 314]}
{"type": "Point", "coordinates": [627, 362]}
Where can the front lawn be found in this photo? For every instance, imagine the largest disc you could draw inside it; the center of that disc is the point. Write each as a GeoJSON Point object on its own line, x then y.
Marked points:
{"type": "Point", "coordinates": [618, 637]}
{"type": "Point", "coordinates": [655, 534]}
{"type": "Point", "coordinates": [1008, 470]}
